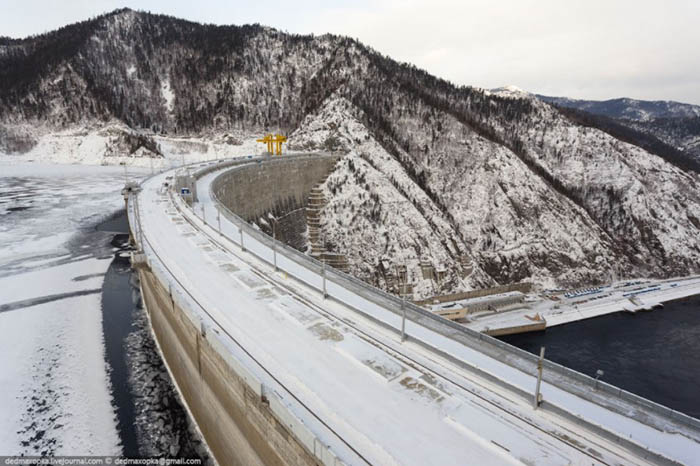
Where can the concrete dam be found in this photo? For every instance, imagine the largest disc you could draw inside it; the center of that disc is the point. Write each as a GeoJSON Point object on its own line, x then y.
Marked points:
{"type": "Point", "coordinates": [275, 195]}
{"type": "Point", "coordinates": [283, 359]}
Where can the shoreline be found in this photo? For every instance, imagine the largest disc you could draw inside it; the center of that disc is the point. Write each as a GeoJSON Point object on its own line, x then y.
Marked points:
{"type": "Point", "coordinates": [552, 311]}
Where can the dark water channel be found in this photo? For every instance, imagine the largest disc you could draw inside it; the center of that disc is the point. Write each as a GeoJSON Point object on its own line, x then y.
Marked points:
{"type": "Point", "coordinates": [652, 354]}
{"type": "Point", "coordinates": [151, 420]}
{"type": "Point", "coordinates": [117, 324]}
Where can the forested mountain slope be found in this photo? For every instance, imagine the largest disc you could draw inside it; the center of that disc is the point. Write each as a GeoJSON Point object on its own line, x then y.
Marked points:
{"type": "Point", "coordinates": [486, 188]}
{"type": "Point", "coordinates": [665, 122]}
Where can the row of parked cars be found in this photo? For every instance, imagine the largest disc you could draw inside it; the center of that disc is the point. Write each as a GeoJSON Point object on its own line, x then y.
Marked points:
{"type": "Point", "coordinates": [583, 292]}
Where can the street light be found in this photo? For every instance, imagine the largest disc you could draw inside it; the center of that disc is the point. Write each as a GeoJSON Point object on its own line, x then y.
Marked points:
{"type": "Point", "coordinates": [540, 363]}
{"type": "Point", "coordinates": [598, 374]}
{"type": "Point", "coordinates": [274, 234]}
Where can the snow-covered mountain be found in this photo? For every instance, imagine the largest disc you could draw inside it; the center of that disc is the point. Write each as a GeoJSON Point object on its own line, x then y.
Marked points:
{"type": "Point", "coordinates": [481, 187]}
{"type": "Point", "coordinates": [683, 133]}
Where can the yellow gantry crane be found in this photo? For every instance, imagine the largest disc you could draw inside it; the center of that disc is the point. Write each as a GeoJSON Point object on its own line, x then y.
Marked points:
{"type": "Point", "coordinates": [277, 140]}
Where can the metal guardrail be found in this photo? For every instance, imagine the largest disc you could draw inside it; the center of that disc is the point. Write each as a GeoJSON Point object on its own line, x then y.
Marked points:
{"type": "Point", "coordinates": [510, 355]}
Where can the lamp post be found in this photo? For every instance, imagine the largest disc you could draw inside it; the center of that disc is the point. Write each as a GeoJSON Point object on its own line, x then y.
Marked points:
{"type": "Point", "coordinates": [323, 263]}
{"type": "Point", "coordinates": [538, 398]}
{"type": "Point", "coordinates": [402, 289]}
{"type": "Point", "coordinates": [274, 242]}
{"type": "Point", "coordinates": [598, 374]}
{"type": "Point", "coordinates": [274, 234]}
{"type": "Point", "coordinates": [401, 284]}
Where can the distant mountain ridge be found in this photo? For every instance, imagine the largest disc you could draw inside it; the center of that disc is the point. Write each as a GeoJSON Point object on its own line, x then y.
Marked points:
{"type": "Point", "coordinates": [631, 109]}
{"type": "Point", "coordinates": [484, 187]}
{"type": "Point", "coordinates": [673, 123]}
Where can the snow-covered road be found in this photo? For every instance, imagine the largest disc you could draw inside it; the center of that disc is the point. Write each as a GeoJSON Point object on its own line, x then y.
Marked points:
{"type": "Point", "coordinates": [380, 401]}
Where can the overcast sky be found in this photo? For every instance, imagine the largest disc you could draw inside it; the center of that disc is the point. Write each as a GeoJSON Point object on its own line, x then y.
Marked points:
{"type": "Point", "coordinates": [585, 49]}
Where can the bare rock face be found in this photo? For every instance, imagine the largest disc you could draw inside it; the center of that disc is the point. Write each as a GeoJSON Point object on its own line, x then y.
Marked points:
{"type": "Point", "coordinates": [125, 142]}
{"type": "Point", "coordinates": [16, 139]}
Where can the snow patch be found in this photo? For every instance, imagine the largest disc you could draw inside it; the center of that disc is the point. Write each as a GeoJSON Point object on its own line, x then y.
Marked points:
{"type": "Point", "coordinates": [167, 93]}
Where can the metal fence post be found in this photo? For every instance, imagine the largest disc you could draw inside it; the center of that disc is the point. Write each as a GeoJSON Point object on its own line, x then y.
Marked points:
{"type": "Point", "coordinates": [240, 230]}
{"type": "Point", "coordinates": [323, 272]}
{"type": "Point", "coordinates": [538, 398]}
{"type": "Point", "coordinates": [274, 253]}
{"type": "Point", "coordinates": [403, 320]}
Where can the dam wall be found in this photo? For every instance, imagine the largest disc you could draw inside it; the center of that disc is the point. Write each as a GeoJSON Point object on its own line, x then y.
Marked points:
{"type": "Point", "coordinates": [278, 186]}
{"type": "Point", "coordinates": [240, 425]}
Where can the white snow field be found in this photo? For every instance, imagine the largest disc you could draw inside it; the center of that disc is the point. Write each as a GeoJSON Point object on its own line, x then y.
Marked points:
{"type": "Point", "coordinates": [99, 145]}
{"type": "Point", "coordinates": [55, 394]}
{"type": "Point", "coordinates": [383, 401]}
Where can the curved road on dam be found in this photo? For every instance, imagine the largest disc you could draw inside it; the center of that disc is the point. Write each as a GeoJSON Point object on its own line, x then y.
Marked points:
{"type": "Point", "coordinates": [340, 366]}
